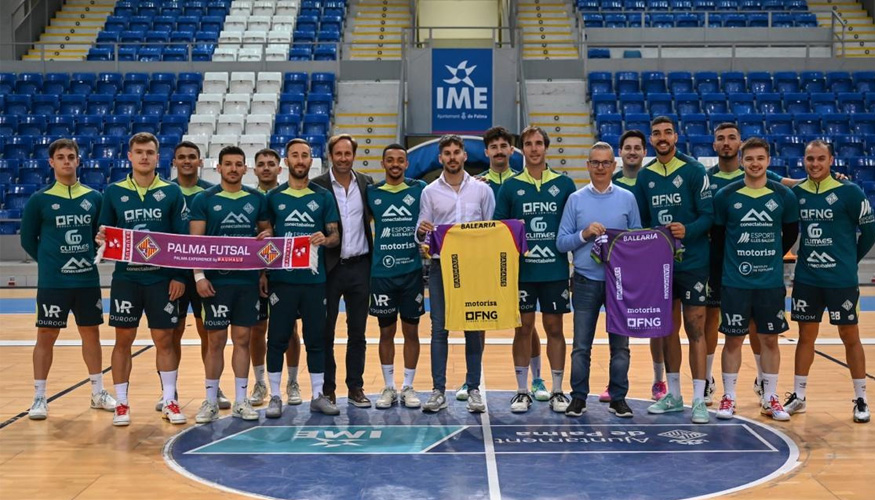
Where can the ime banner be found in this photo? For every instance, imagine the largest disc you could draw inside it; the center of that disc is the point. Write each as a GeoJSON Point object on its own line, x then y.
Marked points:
{"type": "Point", "coordinates": [461, 93]}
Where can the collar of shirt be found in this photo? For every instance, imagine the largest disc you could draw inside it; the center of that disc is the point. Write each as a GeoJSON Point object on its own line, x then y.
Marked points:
{"type": "Point", "coordinates": [462, 185]}
{"type": "Point", "coordinates": [349, 203]}
{"type": "Point", "coordinates": [335, 181]}
{"type": "Point", "coordinates": [607, 190]}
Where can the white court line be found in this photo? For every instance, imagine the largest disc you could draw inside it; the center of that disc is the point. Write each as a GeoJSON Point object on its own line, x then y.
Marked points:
{"type": "Point", "coordinates": [760, 437]}
{"type": "Point", "coordinates": [489, 445]}
{"type": "Point", "coordinates": [223, 439]}
{"type": "Point", "coordinates": [376, 341]}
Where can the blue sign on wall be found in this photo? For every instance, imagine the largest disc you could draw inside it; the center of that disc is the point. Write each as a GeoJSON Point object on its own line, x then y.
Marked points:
{"type": "Point", "coordinates": [461, 93]}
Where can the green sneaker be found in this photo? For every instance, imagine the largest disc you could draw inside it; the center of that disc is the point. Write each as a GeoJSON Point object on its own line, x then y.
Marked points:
{"type": "Point", "coordinates": [667, 404]}
{"type": "Point", "coordinates": [540, 390]}
{"type": "Point", "coordinates": [700, 412]}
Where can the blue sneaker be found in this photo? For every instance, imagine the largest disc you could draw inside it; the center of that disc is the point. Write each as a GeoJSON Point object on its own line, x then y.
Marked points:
{"type": "Point", "coordinates": [668, 404]}
{"type": "Point", "coordinates": [540, 390]}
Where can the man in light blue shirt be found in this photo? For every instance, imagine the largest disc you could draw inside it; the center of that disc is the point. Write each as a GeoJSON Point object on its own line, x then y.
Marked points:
{"type": "Point", "coordinates": [588, 213]}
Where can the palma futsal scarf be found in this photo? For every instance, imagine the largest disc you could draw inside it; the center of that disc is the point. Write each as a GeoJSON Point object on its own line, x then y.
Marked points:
{"type": "Point", "coordinates": [207, 252]}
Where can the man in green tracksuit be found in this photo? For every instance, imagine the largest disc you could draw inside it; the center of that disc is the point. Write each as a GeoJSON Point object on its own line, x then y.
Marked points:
{"type": "Point", "coordinates": [57, 231]}
{"type": "Point", "coordinates": [673, 191]}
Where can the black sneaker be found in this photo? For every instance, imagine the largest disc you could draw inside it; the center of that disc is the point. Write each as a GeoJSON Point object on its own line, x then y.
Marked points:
{"type": "Point", "coordinates": [620, 409]}
{"type": "Point", "coordinates": [576, 408]}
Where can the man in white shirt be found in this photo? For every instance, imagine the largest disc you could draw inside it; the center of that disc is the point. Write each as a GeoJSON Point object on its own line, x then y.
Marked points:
{"type": "Point", "coordinates": [348, 266]}
{"type": "Point", "coordinates": [453, 198]}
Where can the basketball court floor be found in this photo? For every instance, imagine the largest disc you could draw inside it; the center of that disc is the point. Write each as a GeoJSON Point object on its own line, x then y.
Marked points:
{"type": "Point", "coordinates": [401, 453]}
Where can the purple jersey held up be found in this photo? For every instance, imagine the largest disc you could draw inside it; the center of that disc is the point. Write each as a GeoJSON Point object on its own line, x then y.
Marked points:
{"type": "Point", "coordinates": [638, 280]}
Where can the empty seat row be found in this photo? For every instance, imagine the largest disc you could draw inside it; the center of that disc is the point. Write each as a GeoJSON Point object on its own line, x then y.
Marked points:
{"type": "Point", "coordinates": [731, 82]}
{"type": "Point", "coordinates": [697, 20]}
{"type": "Point", "coordinates": [687, 5]}
{"type": "Point", "coordinates": [32, 84]}
{"type": "Point", "coordinates": [22, 108]}
{"type": "Point", "coordinates": [753, 123]}
{"type": "Point", "coordinates": [114, 125]}
{"type": "Point", "coordinates": [173, 8]}
{"type": "Point", "coordinates": [166, 23]}
{"type": "Point", "coordinates": [264, 8]}
{"type": "Point", "coordinates": [25, 147]}
{"type": "Point", "coordinates": [688, 103]}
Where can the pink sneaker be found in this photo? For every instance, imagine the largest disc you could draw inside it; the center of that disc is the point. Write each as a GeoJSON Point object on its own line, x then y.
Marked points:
{"type": "Point", "coordinates": [605, 397]}
{"type": "Point", "coordinates": [658, 390]}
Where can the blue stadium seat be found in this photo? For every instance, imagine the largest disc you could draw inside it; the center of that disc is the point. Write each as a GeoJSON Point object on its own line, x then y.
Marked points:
{"type": "Point", "coordinates": [295, 83]}
{"type": "Point", "coordinates": [128, 53]}
{"type": "Point", "coordinates": [156, 37]}
{"type": "Point", "coordinates": [657, 4]}
{"type": "Point", "coordinates": [150, 54]}
{"type": "Point", "coordinates": [781, 20]}
{"type": "Point", "coordinates": [89, 125]}
{"type": "Point", "coordinates": [47, 104]}
{"type": "Point", "coordinates": [203, 52]}
{"type": "Point", "coordinates": [93, 178]}
{"type": "Point", "coordinates": [849, 145]}
{"type": "Point", "coordinates": [733, 82]}
{"type": "Point", "coordinates": [325, 52]}
{"type": "Point", "coordinates": [851, 102]}
{"type": "Point", "coordinates": [727, 5]}
{"type": "Point", "coordinates": [135, 83]}
{"type": "Point", "coordinates": [86, 143]}
{"type": "Point", "coordinates": [610, 5]}
{"type": "Point", "coordinates": [291, 103]}
{"type": "Point", "coordinates": [823, 102]}
{"type": "Point", "coordinates": [714, 103]}
{"type": "Point", "coordinates": [714, 19]}
{"type": "Point", "coordinates": [189, 83]}
{"type": "Point", "coordinates": [15, 201]}
{"type": "Point", "coordinates": [108, 83]}
{"type": "Point", "coordinates": [701, 145]}
{"type": "Point", "coordinates": [316, 124]}
{"type": "Point", "coordinates": [615, 21]}
{"type": "Point", "coordinates": [18, 104]}
{"type": "Point", "coordinates": [278, 142]}
{"type": "Point", "coordinates": [864, 81]}
{"type": "Point", "coordinates": [72, 104]}
{"type": "Point", "coordinates": [779, 124]}
{"type": "Point", "coordinates": [41, 146]}
{"type": "Point", "coordinates": [162, 83]}
{"type": "Point", "coordinates": [797, 102]}
{"type": "Point", "coordinates": [634, 4]}
{"type": "Point", "coordinates": [175, 53]}
{"type": "Point", "coordinates": [593, 21]}
{"type": "Point", "coordinates": [735, 21]}
{"type": "Point", "coordinates": [687, 20]}
{"type": "Point", "coordinates": [83, 83]}
{"type": "Point", "coordinates": [29, 83]}
{"type": "Point", "coordinates": [627, 81]}
{"type": "Point", "coordinates": [56, 83]}
{"type": "Point", "coordinates": [863, 123]}
{"type": "Point", "coordinates": [7, 83]}
{"type": "Point", "coordinates": [796, 5]}
{"type": "Point", "coordinates": [100, 54]}
{"type": "Point", "coordinates": [805, 19]}
{"type": "Point", "coordinates": [687, 104]}
{"type": "Point", "coordinates": [180, 37]}
{"type": "Point", "coordinates": [786, 81]}
{"type": "Point", "coordinates": [148, 9]}
{"type": "Point", "coordinates": [212, 23]}
{"type": "Point", "coordinates": [790, 146]}
{"type": "Point", "coordinates": [740, 104]}
{"type": "Point", "coordinates": [99, 104]}
{"type": "Point", "coordinates": [662, 21]}
{"type": "Point", "coordinates": [812, 81]}
{"type": "Point", "coordinates": [163, 23]}
{"type": "Point", "coordinates": [631, 54]}
{"type": "Point", "coordinates": [301, 53]}
{"type": "Point", "coordinates": [117, 126]}
{"type": "Point", "coordinates": [759, 82]}
{"type": "Point", "coordinates": [610, 124]}
{"type": "Point", "coordinates": [778, 166]}
{"type": "Point", "coordinates": [638, 121]}
{"type": "Point", "coordinates": [769, 103]}
{"type": "Point", "coordinates": [694, 124]}
{"type": "Point", "coordinates": [632, 103]}
{"type": "Point", "coordinates": [118, 173]}
{"type": "Point", "coordinates": [598, 53]}
{"type": "Point", "coordinates": [807, 124]}
{"type": "Point", "coordinates": [154, 104]}
{"type": "Point", "coordinates": [715, 119]}
{"type": "Point", "coordinates": [116, 24]}
{"type": "Point", "coordinates": [637, 19]}
{"type": "Point", "coordinates": [707, 82]}
{"type": "Point", "coordinates": [869, 99]}
{"type": "Point", "coordinates": [60, 125]}
{"type": "Point", "coordinates": [751, 125]}
{"type": "Point", "coordinates": [287, 125]}
{"type": "Point", "coordinates": [704, 5]}
{"type": "Point", "coordinates": [107, 147]}
{"type": "Point", "coordinates": [317, 144]}
{"type": "Point", "coordinates": [681, 5]}
{"type": "Point", "coordinates": [837, 123]}
{"type": "Point", "coordinates": [8, 125]}
{"type": "Point", "coordinates": [757, 20]}
{"type": "Point", "coordinates": [680, 82]}
{"type": "Point", "coordinates": [127, 104]}
{"type": "Point", "coordinates": [32, 125]}
{"type": "Point", "coordinates": [188, 23]}
{"type": "Point", "coordinates": [600, 82]}
{"type": "Point", "coordinates": [7, 176]}
{"type": "Point", "coordinates": [653, 81]}
{"type": "Point", "coordinates": [839, 81]}
{"type": "Point", "coordinates": [145, 123]}
{"type": "Point", "coordinates": [31, 176]}
{"type": "Point", "coordinates": [659, 104]}
{"type": "Point", "coordinates": [181, 104]}
{"type": "Point", "coordinates": [174, 125]}
{"type": "Point", "coordinates": [604, 103]}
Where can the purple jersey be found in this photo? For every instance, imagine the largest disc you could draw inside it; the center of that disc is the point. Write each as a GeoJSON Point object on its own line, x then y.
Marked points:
{"type": "Point", "coordinates": [638, 277]}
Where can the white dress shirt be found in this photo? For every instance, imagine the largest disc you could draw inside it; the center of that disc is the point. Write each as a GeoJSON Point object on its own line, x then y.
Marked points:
{"type": "Point", "coordinates": [441, 204]}
{"type": "Point", "coordinates": [351, 208]}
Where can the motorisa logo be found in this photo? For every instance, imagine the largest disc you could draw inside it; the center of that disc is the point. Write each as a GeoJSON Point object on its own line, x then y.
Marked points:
{"type": "Point", "coordinates": [461, 90]}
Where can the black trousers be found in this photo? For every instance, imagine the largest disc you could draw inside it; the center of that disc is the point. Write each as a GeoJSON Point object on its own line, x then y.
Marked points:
{"type": "Point", "coordinates": [350, 280]}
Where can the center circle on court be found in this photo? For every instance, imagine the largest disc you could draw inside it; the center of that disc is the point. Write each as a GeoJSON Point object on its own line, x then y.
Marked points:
{"type": "Point", "coordinates": [404, 453]}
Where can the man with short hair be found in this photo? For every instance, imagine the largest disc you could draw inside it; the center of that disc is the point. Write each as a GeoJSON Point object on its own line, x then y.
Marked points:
{"type": "Point", "coordinates": [396, 273]}
{"type": "Point", "coordinates": [589, 212]}
{"type": "Point", "coordinates": [831, 212]}
{"type": "Point", "coordinates": [300, 207]}
{"type": "Point", "coordinates": [453, 198]}
{"type": "Point", "coordinates": [633, 149]}
{"type": "Point", "coordinates": [498, 143]}
{"type": "Point", "coordinates": [230, 298]}
{"type": "Point", "coordinates": [57, 231]}
{"type": "Point", "coordinates": [267, 170]}
{"type": "Point", "coordinates": [673, 191]}
{"type": "Point", "coordinates": [755, 224]}
{"type": "Point", "coordinates": [143, 201]}
{"type": "Point", "coordinates": [537, 196]}
{"type": "Point", "coordinates": [348, 267]}
{"type": "Point", "coordinates": [188, 162]}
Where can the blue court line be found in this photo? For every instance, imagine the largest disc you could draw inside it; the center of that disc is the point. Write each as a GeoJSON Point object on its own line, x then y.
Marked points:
{"type": "Point", "coordinates": [28, 305]}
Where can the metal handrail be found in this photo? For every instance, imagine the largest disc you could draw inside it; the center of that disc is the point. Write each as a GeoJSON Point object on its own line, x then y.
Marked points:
{"type": "Point", "coordinates": [710, 44]}
{"type": "Point", "coordinates": [31, 6]}
{"type": "Point", "coordinates": [402, 95]}
{"type": "Point", "coordinates": [833, 18]}
{"type": "Point", "coordinates": [496, 34]}
{"type": "Point", "coordinates": [523, 117]}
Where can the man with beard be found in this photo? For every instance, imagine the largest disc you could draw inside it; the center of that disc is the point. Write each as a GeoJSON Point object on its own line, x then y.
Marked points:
{"type": "Point", "coordinates": [673, 190]}
{"type": "Point", "coordinates": [267, 170]}
{"type": "Point", "coordinates": [348, 267]}
{"type": "Point", "coordinates": [453, 198]}
{"type": "Point", "coordinates": [300, 208]}
{"type": "Point", "coordinates": [396, 273]}
{"type": "Point", "coordinates": [230, 298]}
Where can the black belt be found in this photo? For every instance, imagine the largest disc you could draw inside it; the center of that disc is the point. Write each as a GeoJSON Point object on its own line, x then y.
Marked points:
{"type": "Point", "coordinates": [353, 259]}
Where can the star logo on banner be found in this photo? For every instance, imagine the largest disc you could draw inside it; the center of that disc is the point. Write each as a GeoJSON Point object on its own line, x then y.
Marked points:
{"type": "Point", "coordinates": [269, 253]}
{"type": "Point", "coordinates": [463, 70]}
{"type": "Point", "coordinates": [148, 248]}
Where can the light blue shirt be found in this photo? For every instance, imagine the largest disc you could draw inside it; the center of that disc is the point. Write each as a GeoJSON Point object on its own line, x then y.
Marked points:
{"type": "Point", "coordinates": [614, 208]}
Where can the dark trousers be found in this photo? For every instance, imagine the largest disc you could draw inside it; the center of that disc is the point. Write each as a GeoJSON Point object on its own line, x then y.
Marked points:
{"type": "Point", "coordinates": [351, 281]}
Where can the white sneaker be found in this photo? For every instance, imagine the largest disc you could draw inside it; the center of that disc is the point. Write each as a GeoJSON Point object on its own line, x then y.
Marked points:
{"type": "Point", "coordinates": [159, 406]}
{"type": "Point", "coordinates": [521, 402]}
{"type": "Point", "coordinates": [794, 405]}
{"type": "Point", "coordinates": [861, 411]}
{"type": "Point", "coordinates": [103, 401]}
{"type": "Point", "coordinates": [774, 409]}
{"type": "Point", "coordinates": [293, 391]}
{"type": "Point", "coordinates": [559, 402]}
{"type": "Point", "coordinates": [726, 409]}
{"type": "Point", "coordinates": [539, 390]}
{"type": "Point", "coordinates": [387, 398]}
{"type": "Point", "coordinates": [242, 409]}
{"type": "Point", "coordinates": [122, 415]}
{"type": "Point", "coordinates": [709, 392]}
{"type": "Point", "coordinates": [409, 398]}
{"type": "Point", "coordinates": [172, 413]}
{"type": "Point", "coordinates": [224, 402]}
{"type": "Point", "coordinates": [207, 413]}
{"type": "Point", "coordinates": [39, 410]}
{"type": "Point", "coordinates": [259, 393]}
{"type": "Point", "coordinates": [462, 393]}
{"type": "Point", "coordinates": [475, 401]}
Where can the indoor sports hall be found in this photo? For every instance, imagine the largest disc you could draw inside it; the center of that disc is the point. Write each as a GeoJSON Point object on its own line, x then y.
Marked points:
{"type": "Point", "coordinates": [259, 73]}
